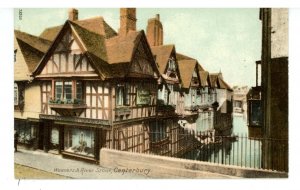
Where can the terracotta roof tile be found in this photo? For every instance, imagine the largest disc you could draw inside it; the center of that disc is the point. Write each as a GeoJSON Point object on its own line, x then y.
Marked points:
{"type": "Point", "coordinates": [32, 48]}
{"type": "Point", "coordinates": [96, 25]}
{"type": "Point", "coordinates": [213, 80]}
{"type": "Point", "coordinates": [34, 41]}
{"type": "Point", "coordinates": [224, 85]}
{"type": "Point", "coordinates": [31, 55]}
{"type": "Point", "coordinates": [162, 54]}
{"type": "Point", "coordinates": [120, 48]}
{"type": "Point", "coordinates": [94, 42]}
{"type": "Point", "coordinates": [204, 78]}
{"type": "Point", "coordinates": [180, 56]}
{"type": "Point", "coordinates": [186, 69]}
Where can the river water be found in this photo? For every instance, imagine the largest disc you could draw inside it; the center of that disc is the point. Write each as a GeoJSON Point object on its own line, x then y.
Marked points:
{"type": "Point", "coordinates": [239, 149]}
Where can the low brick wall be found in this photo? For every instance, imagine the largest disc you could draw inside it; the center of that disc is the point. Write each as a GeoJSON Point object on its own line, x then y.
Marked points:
{"type": "Point", "coordinates": [166, 167]}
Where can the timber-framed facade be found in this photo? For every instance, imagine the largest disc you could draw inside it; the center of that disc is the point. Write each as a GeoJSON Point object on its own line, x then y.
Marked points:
{"type": "Point", "coordinates": [82, 86]}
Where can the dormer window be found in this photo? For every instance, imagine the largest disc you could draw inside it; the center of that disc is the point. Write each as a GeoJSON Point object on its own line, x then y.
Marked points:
{"type": "Point", "coordinates": [195, 78]}
{"type": "Point", "coordinates": [171, 64]}
{"type": "Point", "coordinates": [171, 71]}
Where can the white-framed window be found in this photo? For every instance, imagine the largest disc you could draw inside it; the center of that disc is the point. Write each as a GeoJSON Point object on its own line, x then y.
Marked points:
{"type": "Point", "coordinates": [171, 64]}
{"type": "Point", "coordinates": [122, 95]}
{"type": "Point", "coordinates": [16, 94]}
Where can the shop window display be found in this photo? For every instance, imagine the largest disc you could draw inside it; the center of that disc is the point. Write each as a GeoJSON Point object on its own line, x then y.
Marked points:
{"type": "Point", "coordinates": [79, 141]}
{"type": "Point", "coordinates": [54, 138]}
{"type": "Point", "coordinates": [26, 132]}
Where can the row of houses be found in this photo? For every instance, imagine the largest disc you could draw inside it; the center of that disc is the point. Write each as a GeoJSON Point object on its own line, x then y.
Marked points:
{"type": "Point", "coordinates": [82, 86]}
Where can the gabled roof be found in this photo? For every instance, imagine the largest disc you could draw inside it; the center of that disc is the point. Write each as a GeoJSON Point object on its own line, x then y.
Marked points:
{"type": "Point", "coordinates": [96, 25]}
{"type": "Point", "coordinates": [180, 56]}
{"type": "Point", "coordinates": [213, 80]}
{"type": "Point", "coordinates": [224, 85]}
{"type": "Point", "coordinates": [93, 42]}
{"type": "Point", "coordinates": [110, 57]}
{"type": "Point", "coordinates": [32, 48]}
{"type": "Point", "coordinates": [120, 49]}
{"type": "Point", "coordinates": [38, 43]}
{"type": "Point", "coordinates": [204, 78]}
{"type": "Point", "coordinates": [218, 82]}
{"type": "Point", "coordinates": [186, 69]}
{"type": "Point", "coordinates": [162, 54]}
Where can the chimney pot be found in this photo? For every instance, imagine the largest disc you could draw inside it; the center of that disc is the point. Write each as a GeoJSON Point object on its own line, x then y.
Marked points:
{"type": "Point", "coordinates": [73, 14]}
{"type": "Point", "coordinates": [157, 17]}
{"type": "Point", "coordinates": [127, 20]}
{"type": "Point", "coordinates": [155, 31]}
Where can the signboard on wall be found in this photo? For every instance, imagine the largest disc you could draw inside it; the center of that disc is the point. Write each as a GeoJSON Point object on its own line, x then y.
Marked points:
{"type": "Point", "coordinates": [143, 97]}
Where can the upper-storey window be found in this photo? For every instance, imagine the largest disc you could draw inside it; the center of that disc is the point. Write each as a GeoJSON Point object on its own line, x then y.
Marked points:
{"type": "Point", "coordinates": [15, 55]}
{"type": "Point", "coordinates": [195, 78]}
{"type": "Point", "coordinates": [16, 94]}
{"type": "Point", "coordinates": [171, 64]}
{"type": "Point", "coordinates": [122, 95]}
{"type": "Point", "coordinates": [64, 90]}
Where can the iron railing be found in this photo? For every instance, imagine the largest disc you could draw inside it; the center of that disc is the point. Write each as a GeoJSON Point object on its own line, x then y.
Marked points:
{"type": "Point", "coordinates": [236, 150]}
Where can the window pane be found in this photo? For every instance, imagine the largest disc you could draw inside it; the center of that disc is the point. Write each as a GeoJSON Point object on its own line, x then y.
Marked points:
{"type": "Point", "coordinates": [79, 141]}
{"type": "Point", "coordinates": [68, 90]}
{"type": "Point", "coordinates": [119, 94]}
{"type": "Point", "coordinates": [58, 90]}
{"type": "Point", "coordinates": [16, 94]}
{"type": "Point", "coordinates": [79, 90]}
{"type": "Point", "coordinates": [127, 96]}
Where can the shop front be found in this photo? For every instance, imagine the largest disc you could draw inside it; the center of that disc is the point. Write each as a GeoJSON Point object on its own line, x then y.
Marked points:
{"type": "Point", "coordinates": [71, 140]}
{"type": "Point", "coordinates": [27, 132]}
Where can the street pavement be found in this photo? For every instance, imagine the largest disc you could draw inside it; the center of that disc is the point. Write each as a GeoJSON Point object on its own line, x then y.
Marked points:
{"type": "Point", "coordinates": [81, 170]}
{"type": "Point", "coordinates": [71, 168]}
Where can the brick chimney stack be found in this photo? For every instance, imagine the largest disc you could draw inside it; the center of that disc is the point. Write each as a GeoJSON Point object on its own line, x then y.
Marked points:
{"type": "Point", "coordinates": [73, 14]}
{"type": "Point", "coordinates": [155, 31]}
{"type": "Point", "coordinates": [127, 20]}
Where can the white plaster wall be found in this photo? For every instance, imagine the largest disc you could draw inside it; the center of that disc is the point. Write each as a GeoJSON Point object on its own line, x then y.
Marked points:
{"type": "Point", "coordinates": [32, 99]}
{"type": "Point", "coordinates": [20, 68]}
{"type": "Point", "coordinates": [279, 33]}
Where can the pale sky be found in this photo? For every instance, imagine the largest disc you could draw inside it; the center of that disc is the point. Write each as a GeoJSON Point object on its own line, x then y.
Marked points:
{"type": "Point", "coordinates": [226, 40]}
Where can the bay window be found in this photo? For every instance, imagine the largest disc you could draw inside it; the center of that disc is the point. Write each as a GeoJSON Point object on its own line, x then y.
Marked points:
{"type": "Point", "coordinates": [68, 91]}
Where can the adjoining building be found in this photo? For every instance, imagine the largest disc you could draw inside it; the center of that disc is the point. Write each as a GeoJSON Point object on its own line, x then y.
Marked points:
{"type": "Point", "coordinates": [240, 99]}
{"type": "Point", "coordinates": [268, 101]}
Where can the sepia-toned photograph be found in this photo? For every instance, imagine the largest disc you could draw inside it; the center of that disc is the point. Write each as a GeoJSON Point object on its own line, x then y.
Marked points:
{"type": "Point", "coordinates": [144, 93]}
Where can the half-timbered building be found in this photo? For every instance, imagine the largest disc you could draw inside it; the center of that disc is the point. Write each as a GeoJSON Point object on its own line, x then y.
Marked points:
{"type": "Point", "coordinates": [223, 113]}
{"type": "Point", "coordinates": [95, 89]}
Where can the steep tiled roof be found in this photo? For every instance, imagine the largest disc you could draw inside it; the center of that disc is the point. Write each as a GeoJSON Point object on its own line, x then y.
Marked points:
{"type": "Point", "coordinates": [186, 69]}
{"type": "Point", "coordinates": [162, 54]}
{"type": "Point", "coordinates": [96, 25]}
{"type": "Point", "coordinates": [217, 82]}
{"type": "Point", "coordinates": [213, 80]}
{"type": "Point", "coordinates": [120, 49]}
{"type": "Point", "coordinates": [32, 48]}
{"type": "Point", "coordinates": [110, 57]}
{"type": "Point", "coordinates": [224, 85]}
{"type": "Point", "coordinates": [180, 56]}
{"type": "Point", "coordinates": [34, 41]}
{"type": "Point", "coordinates": [93, 42]}
{"type": "Point", "coordinates": [204, 78]}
